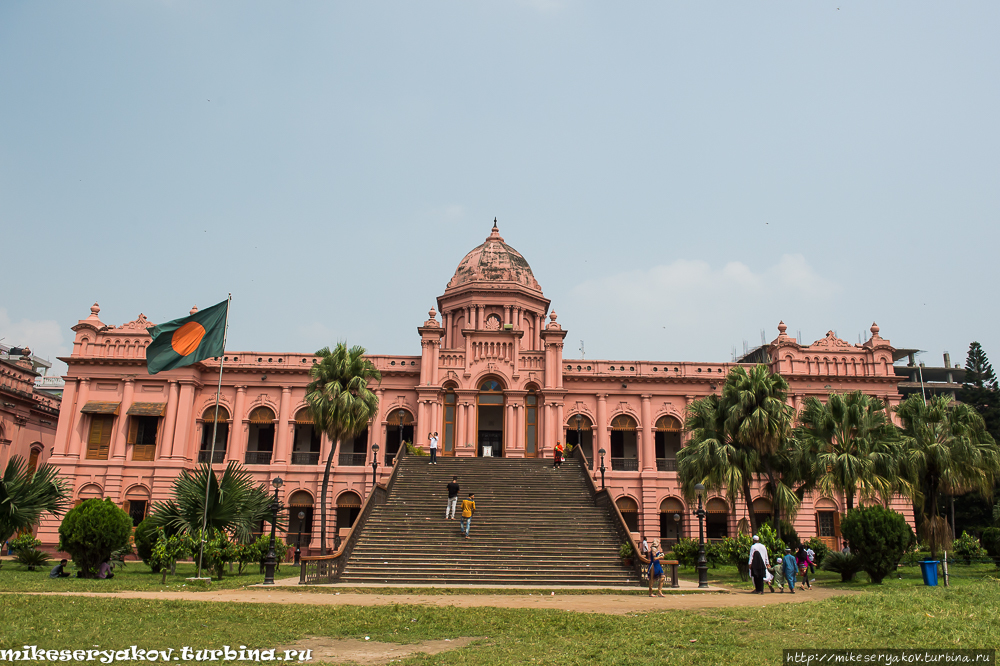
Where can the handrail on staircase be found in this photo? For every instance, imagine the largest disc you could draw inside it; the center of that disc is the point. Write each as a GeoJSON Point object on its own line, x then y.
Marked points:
{"type": "Point", "coordinates": [603, 498]}
{"type": "Point", "coordinates": [328, 568]}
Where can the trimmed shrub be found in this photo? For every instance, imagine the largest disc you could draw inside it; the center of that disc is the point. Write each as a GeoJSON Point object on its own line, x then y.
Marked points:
{"type": "Point", "coordinates": [92, 531]}
{"type": "Point", "coordinates": [991, 542]}
{"type": "Point", "coordinates": [846, 564]}
{"type": "Point", "coordinates": [878, 538]}
{"type": "Point", "coordinates": [26, 541]}
{"type": "Point", "coordinates": [145, 538]}
{"type": "Point", "coordinates": [968, 549]}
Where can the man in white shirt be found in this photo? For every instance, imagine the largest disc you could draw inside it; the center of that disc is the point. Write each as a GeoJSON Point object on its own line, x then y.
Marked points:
{"type": "Point", "coordinates": [434, 448]}
{"type": "Point", "coordinates": [758, 566]}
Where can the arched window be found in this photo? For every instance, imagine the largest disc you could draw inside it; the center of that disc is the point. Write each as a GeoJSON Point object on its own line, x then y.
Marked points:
{"type": "Point", "coordinates": [221, 430]}
{"type": "Point", "coordinates": [260, 437]}
{"type": "Point", "coordinates": [450, 409]}
{"type": "Point", "coordinates": [490, 392]}
{"type": "Point", "coordinates": [305, 449]}
{"type": "Point", "coordinates": [300, 517]}
{"type": "Point", "coordinates": [762, 510]}
{"type": "Point", "coordinates": [671, 521]}
{"type": "Point", "coordinates": [531, 423]}
{"type": "Point", "coordinates": [137, 504]}
{"type": "Point", "coordinates": [828, 523]}
{"type": "Point", "coordinates": [348, 508]}
{"type": "Point", "coordinates": [36, 452]}
{"type": "Point", "coordinates": [399, 428]}
{"type": "Point", "coordinates": [630, 512]}
{"type": "Point", "coordinates": [89, 491]}
{"type": "Point", "coordinates": [667, 442]}
{"type": "Point", "coordinates": [716, 518]}
{"type": "Point", "coordinates": [579, 432]}
{"type": "Point", "coordinates": [624, 447]}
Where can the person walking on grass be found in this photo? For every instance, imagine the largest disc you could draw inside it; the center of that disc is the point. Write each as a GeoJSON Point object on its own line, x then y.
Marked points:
{"type": "Point", "coordinates": [812, 561]}
{"type": "Point", "coordinates": [434, 448]}
{"type": "Point", "coordinates": [802, 559]}
{"type": "Point", "coordinates": [468, 510]}
{"type": "Point", "coordinates": [790, 567]}
{"type": "Point", "coordinates": [779, 575]}
{"type": "Point", "coordinates": [655, 570]}
{"type": "Point", "coordinates": [449, 509]}
{"type": "Point", "coordinates": [758, 564]}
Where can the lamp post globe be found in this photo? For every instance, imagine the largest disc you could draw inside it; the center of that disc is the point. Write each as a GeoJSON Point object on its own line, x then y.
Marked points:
{"type": "Point", "coordinates": [702, 559]}
{"type": "Point", "coordinates": [271, 560]}
{"type": "Point", "coordinates": [601, 453]}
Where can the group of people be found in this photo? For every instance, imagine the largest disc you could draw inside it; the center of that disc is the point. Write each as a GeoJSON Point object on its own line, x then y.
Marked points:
{"type": "Point", "coordinates": [468, 506]}
{"type": "Point", "coordinates": [104, 571]}
{"type": "Point", "coordinates": [783, 572]}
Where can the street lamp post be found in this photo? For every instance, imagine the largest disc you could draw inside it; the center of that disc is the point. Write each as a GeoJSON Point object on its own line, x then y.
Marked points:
{"type": "Point", "coordinates": [602, 452]}
{"type": "Point", "coordinates": [374, 464]}
{"type": "Point", "coordinates": [298, 538]}
{"type": "Point", "coordinates": [702, 559]}
{"type": "Point", "coordinates": [579, 420]}
{"type": "Point", "coordinates": [271, 560]}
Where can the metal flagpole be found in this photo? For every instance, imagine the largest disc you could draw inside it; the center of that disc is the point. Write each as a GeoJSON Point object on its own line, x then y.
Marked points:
{"type": "Point", "coordinates": [215, 429]}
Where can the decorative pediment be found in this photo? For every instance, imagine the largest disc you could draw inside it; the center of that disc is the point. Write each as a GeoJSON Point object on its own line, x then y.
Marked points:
{"type": "Point", "coordinates": [831, 341]}
{"type": "Point", "coordinates": [140, 323]}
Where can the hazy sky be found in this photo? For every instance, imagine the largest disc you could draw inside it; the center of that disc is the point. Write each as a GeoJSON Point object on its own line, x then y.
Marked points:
{"type": "Point", "coordinates": [679, 176]}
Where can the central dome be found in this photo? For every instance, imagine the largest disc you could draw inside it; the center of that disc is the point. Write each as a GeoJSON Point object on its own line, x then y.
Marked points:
{"type": "Point", "coordinates": [494, 261]}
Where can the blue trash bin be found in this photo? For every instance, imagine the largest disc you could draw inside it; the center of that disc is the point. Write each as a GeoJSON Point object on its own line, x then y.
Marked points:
{"type": "Point", "coordinates": [929, 570]}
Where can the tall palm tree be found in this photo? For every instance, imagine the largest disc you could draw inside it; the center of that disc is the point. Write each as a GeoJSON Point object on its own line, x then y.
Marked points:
{"type": "Point", "coordinates": [341, 404]}
{"type": "Point", "coordinates": [236, 503]}
{"type": "Point", "coordinates": [848, 444]}
{"type": "Point", "coordinates": [946, 449]}
{"type": "Point", "coordinates": [759, 418]}
{"type": "Point", "coordinates": [712, 457]}
{"type": "Point", "coordinates": [25, 496]}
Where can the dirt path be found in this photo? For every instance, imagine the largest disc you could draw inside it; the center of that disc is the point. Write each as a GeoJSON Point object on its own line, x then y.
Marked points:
{"type": "Point", "coordinates": [584, 603]}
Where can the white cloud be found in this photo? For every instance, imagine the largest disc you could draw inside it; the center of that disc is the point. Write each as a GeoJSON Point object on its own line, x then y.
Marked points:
{"type": "Point", "coordinates": [689, 309]}
{"type": "Point", "coordinates": [44, 337]}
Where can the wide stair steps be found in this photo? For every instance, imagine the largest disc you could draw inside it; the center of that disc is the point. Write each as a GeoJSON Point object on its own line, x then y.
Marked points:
{"type": "Point", "coordinates": [534, 525]}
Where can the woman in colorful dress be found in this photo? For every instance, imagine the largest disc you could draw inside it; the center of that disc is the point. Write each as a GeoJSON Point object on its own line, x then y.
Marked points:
{"type": "Point", "coordinates": [557, 455]}
{"type": "Point", "coordinates": [802, 559]}
{"type": "Point", "coordinates": [655, 571]}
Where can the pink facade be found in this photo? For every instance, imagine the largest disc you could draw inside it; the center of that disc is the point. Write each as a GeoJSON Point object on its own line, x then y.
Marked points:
{"type": "Point", "coordinates": [27, 417]}
{"type": "Point", "coordinates": [490, 378]}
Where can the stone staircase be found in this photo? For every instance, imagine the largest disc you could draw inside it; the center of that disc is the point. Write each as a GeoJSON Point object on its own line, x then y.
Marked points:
{"type": "Point", "coordinates": [534, 525]}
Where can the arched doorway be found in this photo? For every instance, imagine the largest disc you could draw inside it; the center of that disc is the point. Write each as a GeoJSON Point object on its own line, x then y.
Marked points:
{"type": "Point", "coordinates": [490, 419]}
{"type": "Point", "coordinates": [221, 430]}
{"type": "Point", "coordinates": [300, 517]}
{"type": "Point", "coordinates": [448, 427]}
{"type": "Point", "coordinates": [667, 439]}
{"type": "Point", "coordinates": [671, 521]}
{"type": "Point", "coordinates": [716, 518]}
{"type": "Point", "coordinates": [399, 429]}
{"type": "Point", "coordinates": [348, 508]}
{"type": "Point", "coordinates": [624, 449]}
{"type": "Point", "coordinates": [137, 504]}
{"type": "Point", "coordinates": [579, 432]}
{"type": "Point", "coordinates": [305, 449]}
{"type": "Point", "coordinates": [629, 509]}
{"type": "Point", "coordinates": [828, 523]}
{"type": "Point", "coordinates": [260, 438]}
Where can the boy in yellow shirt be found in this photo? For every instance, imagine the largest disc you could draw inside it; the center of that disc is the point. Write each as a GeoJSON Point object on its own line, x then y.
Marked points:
{"type": "Point", "coordinates": [468, 508]}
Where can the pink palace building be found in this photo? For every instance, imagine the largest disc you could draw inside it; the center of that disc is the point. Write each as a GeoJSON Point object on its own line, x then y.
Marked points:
{"type": "Point", "coordinates": [490, 377]}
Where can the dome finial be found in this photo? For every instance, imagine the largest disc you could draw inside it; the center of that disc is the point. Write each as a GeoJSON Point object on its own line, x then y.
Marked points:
{"type": "Point", "coordinates": [495, 223]}
{"type": "Point", "coordinates": [495, 233]}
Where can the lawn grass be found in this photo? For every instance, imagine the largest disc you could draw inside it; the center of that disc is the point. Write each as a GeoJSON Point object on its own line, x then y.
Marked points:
{"type": "Point", "coordinates": [134, 576]}
{"type": "Point", "coordinates": [899, 614]}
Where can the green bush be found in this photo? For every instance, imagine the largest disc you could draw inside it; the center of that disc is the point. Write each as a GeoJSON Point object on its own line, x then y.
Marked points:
{"type": "Point", "coordinates": [879, 537]}
{"type": "Point", "coordinates": [737, 550]}
{"type": "Point", "coordinates": [847, 565]}
{"type": "Point", "coordinates": [26, 541]}
{"type": "Point", "coordinates": [145, 538]}
{"type": "Point", "coordinates": [167, 550]}
{"type": "Point", "coordinates": [968, 549]}
{"type": "Point", "coordinates": [625, 550]}
{"type": "Point", "coordinates": [32, 558]}
{"type": "Point", "coordinates": [92, 531]}
{"type": "Point", "coordinates": [219, 551]}
{"type": "Point", "coordinates": [991, 543]}
{"type": "Point", "coordinates": [818, 547]}
{"type": "Point", "coordinates": [686, 552]}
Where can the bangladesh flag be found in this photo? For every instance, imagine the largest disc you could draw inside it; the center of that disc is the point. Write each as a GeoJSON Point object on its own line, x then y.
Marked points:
{"type": "Point", "coordinates": [188, 340]}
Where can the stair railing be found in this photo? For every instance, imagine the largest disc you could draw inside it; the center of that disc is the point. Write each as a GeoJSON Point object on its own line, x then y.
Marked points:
{"type": "Point", "coordinates": [329, 568]}
{"type": "Point", "coordinates": [603, 499]}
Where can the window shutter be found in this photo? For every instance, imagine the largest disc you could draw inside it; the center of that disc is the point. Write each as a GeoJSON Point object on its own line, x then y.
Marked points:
{"type": "Point", "coordinates": [819, 532]}
{"type": "Point", "coordinates": [126, 507]}
{"type": "Point", "coordinates": [133, 430]}
{"type": "Point", "coordinates": [94, 440]}
{"type": "Point", "coordinates": [106, 432]}
{"type": "Point", "coordinates": [836, 524]}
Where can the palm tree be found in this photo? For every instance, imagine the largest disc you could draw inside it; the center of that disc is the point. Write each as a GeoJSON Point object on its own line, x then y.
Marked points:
{"type": "Point", "coordinates": [946, 449]}
{"type": "Point", "coordinates": [236, 503]}
{"type": "Point", "coordinates": [25, 496]}
{"type": "Point", "coordinates": [847, 443]}
{"type": "Point", "coordinates": [341, 404]}
{"type": "Point", "coordinates": [759, 417]}
{"type": "Point", "coordinates": [713, 457]}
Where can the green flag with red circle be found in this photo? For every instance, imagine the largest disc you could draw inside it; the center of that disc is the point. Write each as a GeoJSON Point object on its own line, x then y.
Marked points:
{"type": "Point", "coordinates": [188, 340]}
